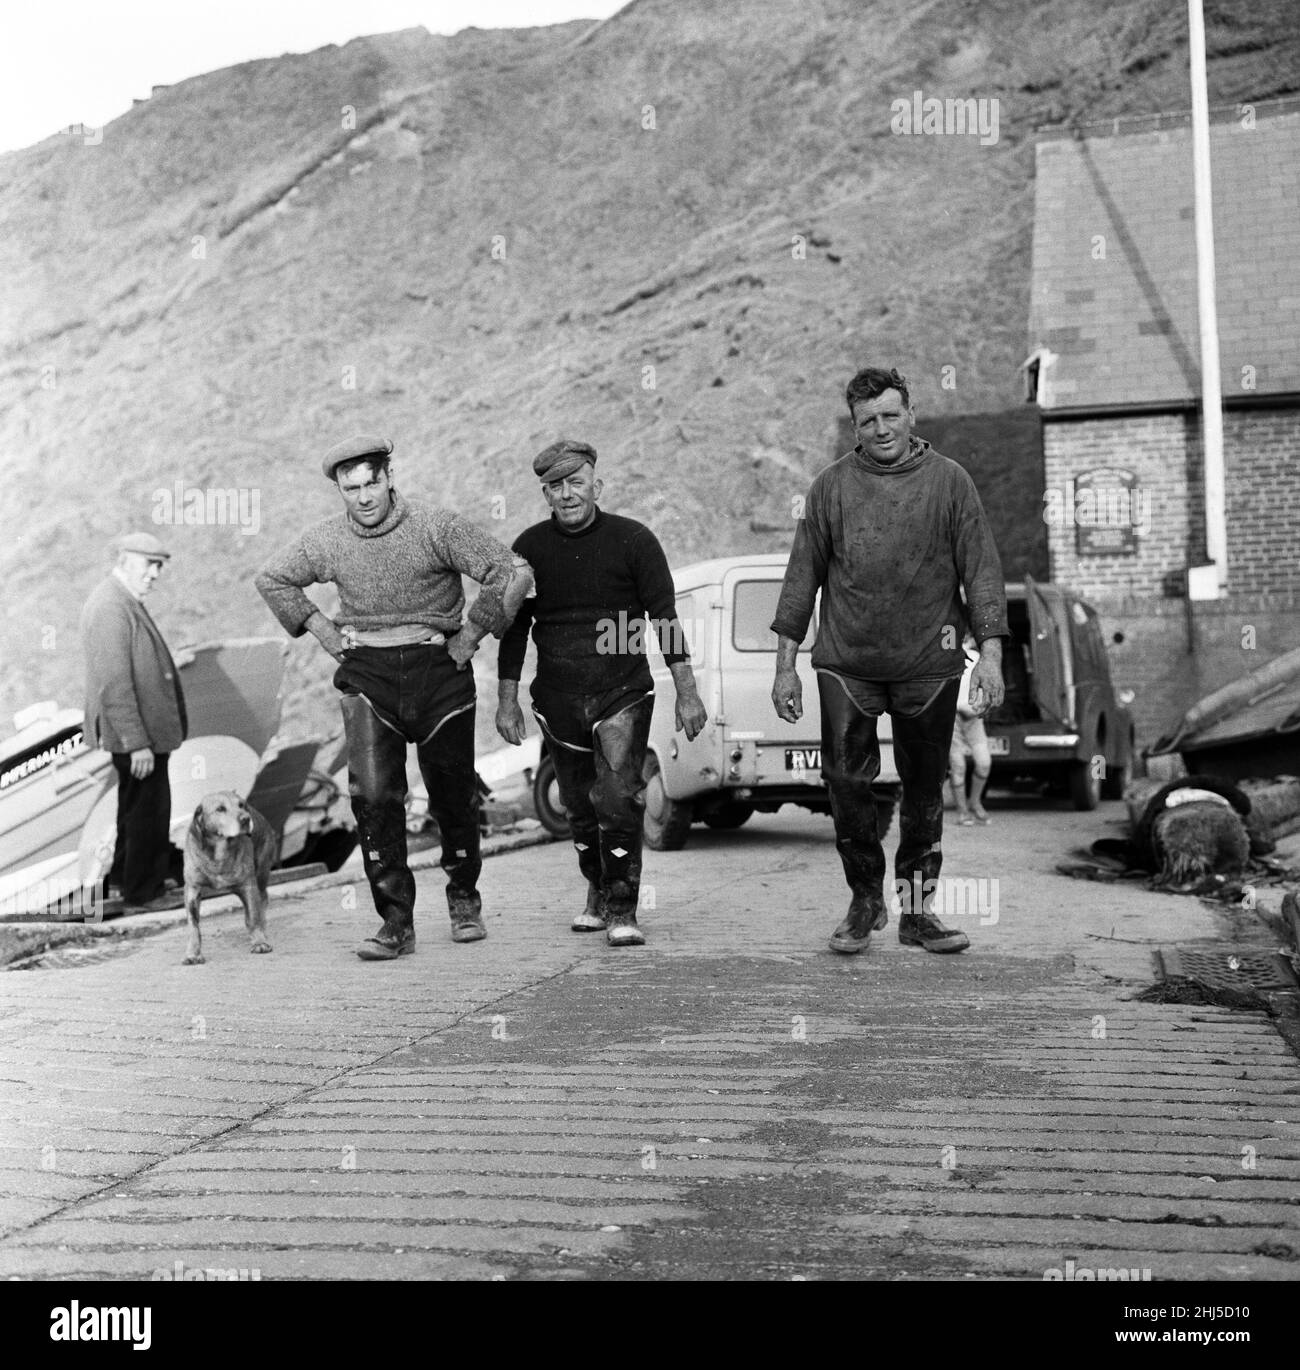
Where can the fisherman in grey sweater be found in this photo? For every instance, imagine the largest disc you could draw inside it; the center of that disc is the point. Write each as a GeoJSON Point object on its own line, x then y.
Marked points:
{"type": "Point", "coordinates": [404, 672]}
{"type": "Point", "coordinates": [891, 535]}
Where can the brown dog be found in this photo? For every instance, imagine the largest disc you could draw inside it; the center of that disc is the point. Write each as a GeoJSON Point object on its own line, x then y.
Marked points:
{"type": "Point", "coordinates": [229, 847]}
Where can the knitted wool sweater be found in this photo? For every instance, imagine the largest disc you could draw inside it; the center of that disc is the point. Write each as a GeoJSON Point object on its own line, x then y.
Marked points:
{"type": "Point", "coordinates": [404, 570]}
{"type": "Point", "coordinates": [595, 590]}
{"type": "Point", "coordinates": [891, 547]}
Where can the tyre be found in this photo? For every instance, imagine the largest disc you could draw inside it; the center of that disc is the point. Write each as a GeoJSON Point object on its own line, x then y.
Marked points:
{"type": "Point", "coordinates": [1085, 785]}
{"type": "Point", "coordinates": [546, 799]}
{"type": "Point", "coordinates": [734, 815]}
{"type": "Point", "coordinates": [667, 823]}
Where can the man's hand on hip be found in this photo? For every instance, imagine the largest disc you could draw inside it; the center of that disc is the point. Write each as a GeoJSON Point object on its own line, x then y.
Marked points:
{"type": "Point", "coordinates": [142, 762]}
{"type": "Point", "coordinates": [327, 633]}
{"type": "Point", "coordinates": [461, 649]}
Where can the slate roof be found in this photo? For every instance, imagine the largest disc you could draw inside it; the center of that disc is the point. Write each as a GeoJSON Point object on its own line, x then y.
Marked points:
{"type": "Point", "coordinates": [1125, 329]}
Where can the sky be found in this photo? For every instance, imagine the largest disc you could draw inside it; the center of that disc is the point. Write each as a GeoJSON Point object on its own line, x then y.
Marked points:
{"type": "Point", "coordinates": [80, 62]}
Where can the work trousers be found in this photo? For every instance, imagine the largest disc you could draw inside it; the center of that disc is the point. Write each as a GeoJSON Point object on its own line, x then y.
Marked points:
{"type": "Point", "coordinates": [393, 697]}
{"type": "Point", "coordinates": [142, 856]}
{"type": "Point", "coordinates": [922, 712]}
{"type": "Point", "coordinates": [598, 745]}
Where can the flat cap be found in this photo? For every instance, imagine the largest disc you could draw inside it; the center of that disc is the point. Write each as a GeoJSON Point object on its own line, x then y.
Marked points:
{"type": "Point", "coordinates": [144, 543]}
{"type": "Point", "coordinates": [562, 459]}
{"type": "Point", "coordinates": [359, 445]}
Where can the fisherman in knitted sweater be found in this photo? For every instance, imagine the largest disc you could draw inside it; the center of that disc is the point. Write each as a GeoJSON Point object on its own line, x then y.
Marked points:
{"type": "Point", "coordinates": [404, 672]}
{"type": "Point", "coordinates": [599, 578]}
{"type": "Point", "coordinates": [891, 534]}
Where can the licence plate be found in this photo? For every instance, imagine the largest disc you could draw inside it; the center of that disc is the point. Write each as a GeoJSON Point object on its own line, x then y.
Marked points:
{"type": "Point", "coordinates": [999, 746]}
{"type": "Point", "coordinates": [803, 758]}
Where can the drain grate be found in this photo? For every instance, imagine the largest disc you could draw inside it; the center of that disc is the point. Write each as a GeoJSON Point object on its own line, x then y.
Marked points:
{"type": "Point", "coordinates": [1227, 967]}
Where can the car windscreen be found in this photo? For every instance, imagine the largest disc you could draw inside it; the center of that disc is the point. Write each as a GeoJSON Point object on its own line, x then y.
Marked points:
{"type": "Point", "coordinates": [754, 609]}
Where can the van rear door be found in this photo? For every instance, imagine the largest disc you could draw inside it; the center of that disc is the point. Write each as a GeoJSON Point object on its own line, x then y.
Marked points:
{"type": "Point", "coordinates": [776, 752]}
{"type": "Point", "coordinates": [1048, 648]}
{"type": "Point", "coordinates": [747, 658]}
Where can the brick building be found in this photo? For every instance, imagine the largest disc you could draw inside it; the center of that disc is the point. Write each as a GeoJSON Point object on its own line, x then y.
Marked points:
{"type": "Point", "coordinates": [1115, 372]}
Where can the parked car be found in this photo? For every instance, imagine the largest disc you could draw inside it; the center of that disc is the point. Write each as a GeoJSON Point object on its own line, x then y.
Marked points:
{"type": "Point", "coordinates": [747, 759]}
{"type": "Point", "coordinates": [1062, 721]}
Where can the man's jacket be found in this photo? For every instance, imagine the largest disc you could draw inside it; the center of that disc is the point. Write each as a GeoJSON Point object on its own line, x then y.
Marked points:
{"type": "Point", "coordinates": [133, 692]}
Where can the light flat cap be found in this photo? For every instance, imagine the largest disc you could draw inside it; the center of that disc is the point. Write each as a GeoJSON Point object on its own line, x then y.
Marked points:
{"type": "Point", "coordinates": [144, 543]}
{"type": "Point", "coordinates": [359, 445]}
{"type": "Point", "coordinates": [562, 459]}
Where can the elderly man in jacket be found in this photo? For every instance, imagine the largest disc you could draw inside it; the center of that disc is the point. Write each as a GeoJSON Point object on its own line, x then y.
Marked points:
{"type": "Point", "coordinates": [135, 709]}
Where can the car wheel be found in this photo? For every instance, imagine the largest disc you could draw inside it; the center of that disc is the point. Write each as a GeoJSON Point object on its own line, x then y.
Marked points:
{"type": "Point", "coordinates": [730, 815]}
{"type": "Point", "coordinates": [546, 799]}
{"type": "Point", "coordinates": [1085, 785]}
{"type": "Point", "coordinates": [667, 823]}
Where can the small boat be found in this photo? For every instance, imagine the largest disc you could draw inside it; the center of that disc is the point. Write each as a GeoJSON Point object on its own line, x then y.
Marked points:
{"type": "Point", "coordinates": [58, 797]}
{"type": "Point", "coordinates": [1250, 727]}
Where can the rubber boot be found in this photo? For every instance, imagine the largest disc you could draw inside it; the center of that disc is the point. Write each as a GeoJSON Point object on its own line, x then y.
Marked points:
{"type": "Point", "coordinates": [621, 928]}
{"type": "Point", "coordinates": [381, 828]}
{"type": "Point", "coordinates": [592, 918]}
{"type": "Point", "coordinates": [867, 914]}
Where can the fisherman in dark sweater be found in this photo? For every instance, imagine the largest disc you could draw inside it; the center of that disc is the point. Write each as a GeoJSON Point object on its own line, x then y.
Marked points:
{"type": "Point", "coordinates": [404, 671]}
{"type": "Point", "coordinates": [598, 578]}
{"type": "Point", "coordinates": [891, 533]}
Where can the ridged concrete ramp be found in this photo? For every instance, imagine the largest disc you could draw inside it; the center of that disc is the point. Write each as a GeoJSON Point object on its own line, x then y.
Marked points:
{"type": "Point", "coordinates": [731, 1101]}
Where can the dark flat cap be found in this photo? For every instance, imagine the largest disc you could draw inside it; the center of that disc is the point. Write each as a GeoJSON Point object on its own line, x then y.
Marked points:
{"type": "Point", "coordinates": [144, 543]}
{"type": "Point", "coordinates": [359, 445]}
{"type": "Point", "coordinates": [562, 459]}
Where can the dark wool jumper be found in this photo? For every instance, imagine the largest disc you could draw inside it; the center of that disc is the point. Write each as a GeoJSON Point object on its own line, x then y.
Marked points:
{"type": "Point", "coordinates": [890, 547]}
{"type": "Point", "coordinates": [593, 588]}
{"type": "Point", "coordinates": [404, 570]}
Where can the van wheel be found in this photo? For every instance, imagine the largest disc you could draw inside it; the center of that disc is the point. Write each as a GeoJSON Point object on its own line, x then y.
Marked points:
{"type": "Point", "coordinates": [546, 799]}
{"type": "Point", "coordinates": [667, 823]}
{"type": "Point", "coordinates": [734, 815]}
{"type": "Point", "coordinates": [1085, 785]}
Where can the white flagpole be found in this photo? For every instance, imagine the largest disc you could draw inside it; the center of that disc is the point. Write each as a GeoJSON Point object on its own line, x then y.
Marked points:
{"type": "Point", "coordinates": [1216, 515]}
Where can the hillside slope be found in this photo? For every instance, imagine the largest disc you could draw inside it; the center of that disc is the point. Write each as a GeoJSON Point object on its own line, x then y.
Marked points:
{"type": "Point", "coordinates": [479, 243]}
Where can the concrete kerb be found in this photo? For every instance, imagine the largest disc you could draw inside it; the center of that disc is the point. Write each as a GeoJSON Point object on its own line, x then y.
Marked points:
{"type": "Point", "coordinates": [42, 937]}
